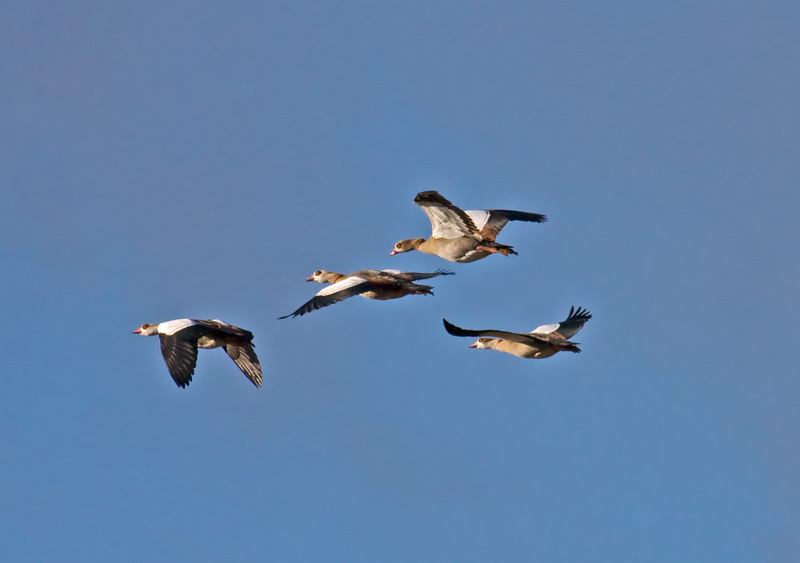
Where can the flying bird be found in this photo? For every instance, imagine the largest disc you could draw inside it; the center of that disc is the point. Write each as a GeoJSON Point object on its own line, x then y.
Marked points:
{"type": "Point", "coordinates": [542, 342]}
{"type": "Point", "coordinates": [462, 236]}
{"type": "Point", "coordinates": [181, 338]}
{"type": "Point", "coordinates": [372, 284]}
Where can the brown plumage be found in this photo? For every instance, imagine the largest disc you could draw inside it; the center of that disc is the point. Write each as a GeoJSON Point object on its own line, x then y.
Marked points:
{"type": "Point", "coordinates": [372, 284]}
{"type": "Point", "coordinates": [542, 342]}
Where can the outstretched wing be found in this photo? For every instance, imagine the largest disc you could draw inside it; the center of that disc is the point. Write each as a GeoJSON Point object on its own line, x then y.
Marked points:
{"type": "Point", "coordinates": [567, 328]}
{"type": "Point", "coordinates": [331, 294]}
{"type": "Point", "coordinates": [447, 220]}
{"type": "Point", "coordinates": [245, 357]}
{"type": "Point", "coordinates": [491, 221]}
{"type": "Point", "coordinates": [531, 339]}
{"type": "Point", "coordinates": [180, 355]}
{"type": "Point", "coordinates": [574, 322]}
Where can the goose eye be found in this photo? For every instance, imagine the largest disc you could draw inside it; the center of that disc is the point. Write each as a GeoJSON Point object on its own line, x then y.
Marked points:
{"type": "Point", "coordinates": [318, 273]}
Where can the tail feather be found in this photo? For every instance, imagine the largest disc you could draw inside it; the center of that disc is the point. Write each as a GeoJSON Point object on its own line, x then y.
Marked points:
{"type": "Point", "coordinates": [568, 347]}
{"type": "Point", "coordinates": [492, 246]}
{"type": "Point", "coordinates": [420, 289]}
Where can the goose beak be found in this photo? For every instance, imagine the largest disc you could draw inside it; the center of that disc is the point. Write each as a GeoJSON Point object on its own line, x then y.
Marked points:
{"type": "Point", "coordinates": [137, 331]}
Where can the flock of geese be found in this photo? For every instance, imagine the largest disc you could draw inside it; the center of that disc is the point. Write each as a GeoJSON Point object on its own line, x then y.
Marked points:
{"type": "Point", "coordinates": [457, 236]}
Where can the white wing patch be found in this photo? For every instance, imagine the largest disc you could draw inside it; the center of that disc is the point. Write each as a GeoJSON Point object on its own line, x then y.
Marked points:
{"type": "Point", "coordinates": [341, 285]}
{"type": "Point", "coordinates": [546, 329]}
{"type": "Point", "coordinates": [444, 222]}
{"type": "Point", "coordinates": [479, 217]}
{"type": "Point", "coordinates": [171, 327]}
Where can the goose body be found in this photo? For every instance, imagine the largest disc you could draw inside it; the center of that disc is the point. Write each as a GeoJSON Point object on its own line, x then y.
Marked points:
{"type": "Point", "coordinates": [372, 284]}
{"type": "Point", "coordinates": [542, 342]}
{"type": "Point", "coordinates": [462, 236]}
{"type": "Point", "coordinates": [180, 339]}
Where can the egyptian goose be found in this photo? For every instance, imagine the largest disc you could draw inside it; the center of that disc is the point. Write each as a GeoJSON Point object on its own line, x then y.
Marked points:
{"type": "Point", "coordinates": [462, 236]}
{"type": "Point", "coordinates": [181, 338]}
{"type": "Point", "coordinates": [372, 284]}
{"type": "Point", "coordinates": [542, 342]}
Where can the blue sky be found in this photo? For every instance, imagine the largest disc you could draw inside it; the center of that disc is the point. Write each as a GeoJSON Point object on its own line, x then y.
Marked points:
{"type": "Point", "coordinates": [176, 159]}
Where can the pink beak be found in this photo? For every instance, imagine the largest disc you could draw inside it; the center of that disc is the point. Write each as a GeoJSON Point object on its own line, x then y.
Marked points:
{"type": "Point", "coordinates": [137, 331]}
{"type": "Point", "coordinates": [393, 252]}
{"type": "Point", "coordinates": [310, 278]}
{"type": "Point", "coordinates": [474, 345]}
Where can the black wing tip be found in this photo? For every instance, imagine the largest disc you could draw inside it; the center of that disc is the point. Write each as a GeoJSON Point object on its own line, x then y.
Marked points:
{"type": "Point", "coordinates": [182, 384]}
{"type": "Point", "coordinates": [444, 272]}
{"type": "Point", "coordinates": [512, 215]}
{"type": "Point", "coordinates": [299, 312]}
{"type": "Point", "coordinates": [580, 314]}
{"type": "Point", "coordinates": [426, 194]}
{"type": "Point", "coordinates": [255, 378]}
{"type": "Point", "coordinates": [431, 196]}
{"type": "Point", "coordinates": [530, 217]}
{"type": "Point", "coordinates": [292, 315]}
{"type": "Point", "coordinates": [451, 328]}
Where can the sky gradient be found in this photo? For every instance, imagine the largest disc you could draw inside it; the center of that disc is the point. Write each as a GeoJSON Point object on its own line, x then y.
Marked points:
{"type": "Point", "coordinates": [175, 159]}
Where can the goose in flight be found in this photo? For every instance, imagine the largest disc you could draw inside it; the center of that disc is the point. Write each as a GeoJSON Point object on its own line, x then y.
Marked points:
{"type": "Point", "coordinates": [181, 338]}
{"type": "Point", "coordinates": [372, 284]}
{"type": "Point", "coordinates": [542, 342]}
{"type": "Point", "coordinates": [462, 236]}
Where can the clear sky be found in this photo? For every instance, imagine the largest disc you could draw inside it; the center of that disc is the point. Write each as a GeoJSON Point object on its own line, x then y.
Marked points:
{"type": "Point", "coordinates": [171, 159]}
